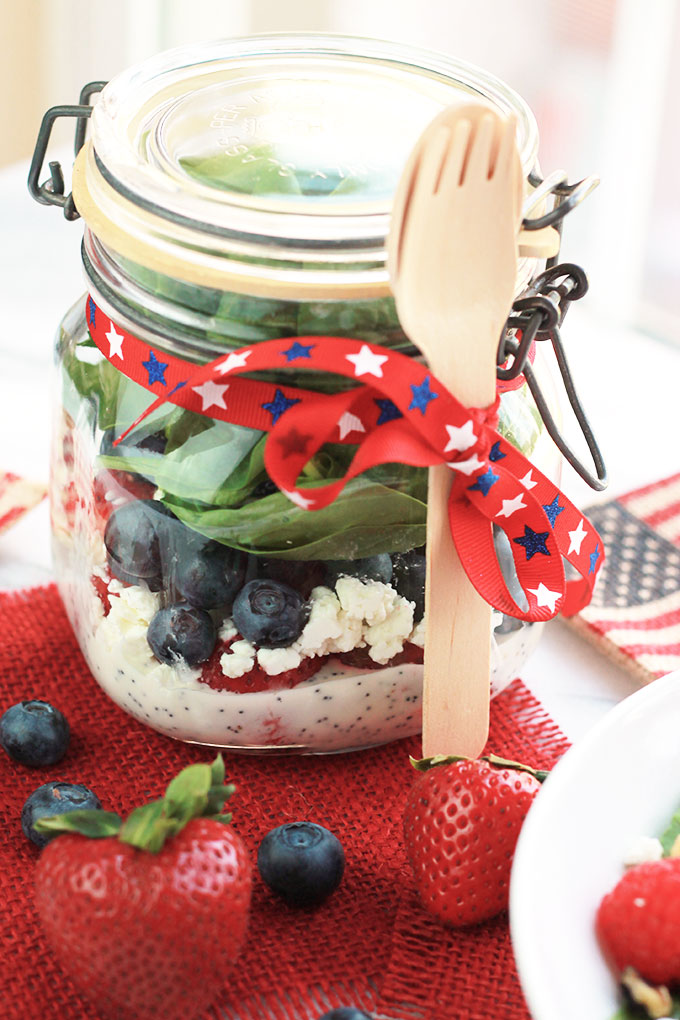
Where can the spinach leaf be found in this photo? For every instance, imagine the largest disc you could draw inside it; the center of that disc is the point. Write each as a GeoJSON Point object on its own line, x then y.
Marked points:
{"type": "Point", "coordinates": [244, 320]}
{"type": "Point", "coordinates": [94, 379]}
{"type": "Point", "coordinates": [366, 518]}
{"type": "Point", "coordinates": [374, 320]}
{"type": "Point", "coordinates": [670, 834]}
{"type": "Point", "coordinates": [518, 419]}
{"type": "Point", "coordinates": [257, 172]}
{"type": "Point", "coordinates": [198, 469]}
{"type": "Point", "coordinates": [627, 1012]}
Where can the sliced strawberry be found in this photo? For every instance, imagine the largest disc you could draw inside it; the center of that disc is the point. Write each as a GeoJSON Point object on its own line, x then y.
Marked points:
{"type": "Point", "coordinates": [102, 589]}
{"type": "Point", "coordinates": [359, 658]}
{"type": "Point", "coordinates": [256, 679]}
{"type": "Point", "coordinates": [67, 448]}
{"type": "Point", "coordinates": [112, 488]}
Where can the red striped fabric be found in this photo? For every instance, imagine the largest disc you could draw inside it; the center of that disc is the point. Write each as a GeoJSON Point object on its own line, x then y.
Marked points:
{"type": "Point", "coordinates": [634, 616]}
{"type": "Point", "coordinates": [17, 497]}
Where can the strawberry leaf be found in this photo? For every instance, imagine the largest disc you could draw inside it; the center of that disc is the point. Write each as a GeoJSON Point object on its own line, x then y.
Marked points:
{"type": "Point", "coordinates": [225, 819]}
{"type": "Point", "coordinates": [187, 794]}
{"type": "Point", "coordinates": [147, 827]}
{"type": "Point", "coordinates": [217, 797]}
{"type": "Point", "coordinates": [96, 824]}
{"type": "Point", "coordinates": [425, 764]}
{"type": "Point", "coordinates": [217, 771]}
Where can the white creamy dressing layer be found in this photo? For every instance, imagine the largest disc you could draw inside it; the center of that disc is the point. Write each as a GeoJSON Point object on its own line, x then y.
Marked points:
{"type": "Point", "coordinates": [339, 708]}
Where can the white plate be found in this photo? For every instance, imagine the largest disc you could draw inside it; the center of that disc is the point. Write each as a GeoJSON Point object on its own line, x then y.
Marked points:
{"type": "Point", "coordinates": [619, 782]}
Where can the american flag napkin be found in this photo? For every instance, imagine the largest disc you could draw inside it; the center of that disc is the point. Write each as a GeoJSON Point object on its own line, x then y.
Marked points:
{"type": "Point", "coordinates": [634, 615]}
{"type": "Point", "coordinates": [17, 497]}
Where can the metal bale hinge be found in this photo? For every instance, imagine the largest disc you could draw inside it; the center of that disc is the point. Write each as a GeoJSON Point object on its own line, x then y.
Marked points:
{"type": "Point", "coordinates": [51, 191]}
{"type": "Point", "coordinates": [538, 315]}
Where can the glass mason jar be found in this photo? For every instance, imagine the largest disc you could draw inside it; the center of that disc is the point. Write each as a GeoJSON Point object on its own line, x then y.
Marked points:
{"type": "Point", "coordinates": [233, 193]}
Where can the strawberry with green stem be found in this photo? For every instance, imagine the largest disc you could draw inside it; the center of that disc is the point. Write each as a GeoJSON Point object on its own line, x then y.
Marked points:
{"type": "Point", "coordinates": [461, 823]}
{"type": "Point", "coordinates": [148, 915]}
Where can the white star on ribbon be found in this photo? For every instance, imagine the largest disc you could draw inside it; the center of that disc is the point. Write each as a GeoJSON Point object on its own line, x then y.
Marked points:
{"type": "Point", "coordinates": [115, 342]}
{"type": "Point", "coordinates": [511, 505]}
{"type": "Point", "coordinates": [466, 466]}
{"type": "Point", "coordinates": [234, 361]}
{"type": "Point", "coordinates": [576, 538]}
{"type": "Point", "coordinates": [299, 500]}
{"type": "Point", "coordinates": [366, 362]}
{"type": "Point", "coordinates": [350, 423]}
{"type": "Point", "coordinates": [545, 597]}
{"type": "Point", "coordinates": [211, 394]}
{"type": "Point", "coordinates": [460, 437]}
{"type": "Point", "coordinates": [528, 482]}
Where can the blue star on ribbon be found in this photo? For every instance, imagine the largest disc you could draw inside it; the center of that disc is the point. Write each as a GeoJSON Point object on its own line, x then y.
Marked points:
{"type": "Point", "coordinates": [495, 451]}
{"type": "Point", "coordinates": [388, 410]}
{"type": "Point", "coordinates": [422, 395]}
{"type": "Point", "coordinates": [594, 557]}
{"type": "Point", "coordinates": [91, 308]}
{"type": "Point", "coordinates": [279, 405]}
{"type": "Point", "coordinates": [553, 510]}
{"type": "Point", "coordinates": [484, 482]}
{"type": "Point", "coordinates": [297, 350]}
{"type": "Point", "coordinates": [294, 442]}
{"type": "Point", "coordinates": [156, 369]}
{"type": "Point", "coordinates": [533, 542]}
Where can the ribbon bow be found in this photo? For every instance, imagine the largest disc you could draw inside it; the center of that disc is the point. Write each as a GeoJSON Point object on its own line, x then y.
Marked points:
{"type": "Point", "coordinates": [400, 413]}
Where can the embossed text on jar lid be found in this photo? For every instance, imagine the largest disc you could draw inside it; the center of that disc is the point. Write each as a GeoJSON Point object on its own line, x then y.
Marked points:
{"type": "Point", "coordinates": [271, 150]}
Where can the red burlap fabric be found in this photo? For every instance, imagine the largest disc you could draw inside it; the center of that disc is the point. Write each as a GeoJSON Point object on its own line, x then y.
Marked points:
{"type": "Point", "coordinates": [370, 945]}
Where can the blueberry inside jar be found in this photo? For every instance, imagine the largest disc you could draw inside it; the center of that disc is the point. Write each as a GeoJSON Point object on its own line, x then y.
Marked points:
{"type": "Point", "coordinates": [234, 194]}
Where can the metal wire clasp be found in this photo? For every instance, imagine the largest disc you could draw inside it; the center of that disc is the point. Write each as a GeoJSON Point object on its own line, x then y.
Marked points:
{"type": "Point", "coordinates": [51, 192]}
{"type": "Point", "coordinates": [538, 315]}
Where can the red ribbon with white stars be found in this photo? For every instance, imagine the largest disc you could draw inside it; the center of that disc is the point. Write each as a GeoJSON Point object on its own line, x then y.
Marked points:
{"type": "Point", "coordinates": [399, 413]}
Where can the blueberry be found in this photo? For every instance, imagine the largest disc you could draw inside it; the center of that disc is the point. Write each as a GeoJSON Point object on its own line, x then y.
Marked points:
{"type": "Point", "coordinates": [34, 733]}
{"type": "Point", "coordinates": [208, 574]}
{"type": "Point", "coordinates": [367, 568]}
{"type": "Point", "coordinates": [153, 442]}
{"type": "Point", "coordinates": [408, 578]}
{"type": "Point", "coordinates": [346, 1013]}
{"type": "Point", "coordinates": [302, 862]}
{"type": "Point", "coordinates": [269, 613]}
{"type": "Point", "coordinates": [133, 538]}
{"type": "Point", "coordinates": [182, 632]}
{"type": "Point", "coordinates": [264, 489]}
{"type": "Point", "coordinates": [54, 798]}
{"type": "Point", "coordinates": [302, 575]}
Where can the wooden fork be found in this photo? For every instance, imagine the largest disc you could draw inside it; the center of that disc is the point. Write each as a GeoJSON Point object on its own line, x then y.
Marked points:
{"type": "Point", "coordinates": [452, 258]}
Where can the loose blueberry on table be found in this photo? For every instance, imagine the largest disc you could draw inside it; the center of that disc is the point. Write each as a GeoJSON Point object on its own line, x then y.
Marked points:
{"type": "Point", "coordinates": [34, 733]}
{"type": "Point", "coordinates": [54, 798]}
{"type": "Point", "coordinates": [302, 862]}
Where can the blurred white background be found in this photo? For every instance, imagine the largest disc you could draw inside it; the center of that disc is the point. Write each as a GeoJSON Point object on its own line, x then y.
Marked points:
{"type": "Point", "coordinates": [602, 76]}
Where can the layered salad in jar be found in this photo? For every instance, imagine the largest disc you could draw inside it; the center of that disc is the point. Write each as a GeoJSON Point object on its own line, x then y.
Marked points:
{"type": "Point", "coordinates": [206, 603]}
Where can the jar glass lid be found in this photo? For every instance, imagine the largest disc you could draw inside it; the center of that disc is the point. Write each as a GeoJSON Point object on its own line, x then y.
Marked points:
{"type": "Point", "coordinates": [292, 144]}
